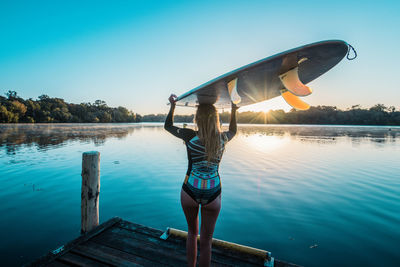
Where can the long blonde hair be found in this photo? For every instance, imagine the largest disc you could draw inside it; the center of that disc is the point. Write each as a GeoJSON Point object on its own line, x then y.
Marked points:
{"type": "Point", "coordinates": [207, 120]}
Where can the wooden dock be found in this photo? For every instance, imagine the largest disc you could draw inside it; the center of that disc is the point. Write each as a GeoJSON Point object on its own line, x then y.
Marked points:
{"type": "Point", "coordinates": [122, 243]}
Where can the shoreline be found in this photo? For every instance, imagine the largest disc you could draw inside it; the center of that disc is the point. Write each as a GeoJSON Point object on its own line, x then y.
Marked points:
{"type": "Point", "coordinates": [191, 123]}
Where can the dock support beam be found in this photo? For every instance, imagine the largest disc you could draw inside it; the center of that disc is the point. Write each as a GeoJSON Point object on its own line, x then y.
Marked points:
{"type": "Point", "coordinates": [90, 191]}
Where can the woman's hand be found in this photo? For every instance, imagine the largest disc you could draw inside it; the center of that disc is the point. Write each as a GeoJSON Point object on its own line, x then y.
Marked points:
{"type": "Point", "coordinates": [234, 107]}
{"type": "Point", "coordinates": [172, 99]}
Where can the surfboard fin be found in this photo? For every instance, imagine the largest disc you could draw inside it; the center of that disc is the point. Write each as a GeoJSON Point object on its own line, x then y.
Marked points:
{"type": "Point", "coordinates": [232, 89]}
{"type": "Point", "coordinates": [294, 100]}
{"type": "Point", "coordinates": [292, 82]}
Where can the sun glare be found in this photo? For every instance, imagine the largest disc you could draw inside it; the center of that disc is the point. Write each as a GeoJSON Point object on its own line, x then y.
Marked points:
{"type": "Point", "coordinates": [265, 106]}
{"type": "Point", "coordinates": [266, 143]}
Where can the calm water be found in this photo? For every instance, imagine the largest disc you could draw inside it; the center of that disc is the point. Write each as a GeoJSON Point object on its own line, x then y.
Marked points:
{"type": "Point", "coordinates": [313, 195]}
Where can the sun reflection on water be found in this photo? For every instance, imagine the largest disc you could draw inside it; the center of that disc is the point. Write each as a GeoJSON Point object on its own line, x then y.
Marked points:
{"type": "Point", "coordinates": [266, 143]}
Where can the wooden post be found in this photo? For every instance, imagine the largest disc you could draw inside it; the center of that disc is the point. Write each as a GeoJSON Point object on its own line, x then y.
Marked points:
{"type": "Point", "coordinates": [90, 191]}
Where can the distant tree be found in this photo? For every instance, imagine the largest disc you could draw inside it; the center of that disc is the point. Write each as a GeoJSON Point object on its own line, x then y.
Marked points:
{"type": "Point", "coordinates": [18, 107]}
{"type": "Point", "coordinates": [138, 118]}
{"type": "Point", "coordinates": [33, 109]}
{"type": "Point", "coordinates": [104, 116]}
{"type": "Point", "coordinates": [5, 115]}
{"type": "Point", "coordinates": [378, 108]}
{"type": "Point", "coordinates": [44, 97]}
{"type": "Point", "coordinates": [100, 103]}
{"type": "Point", "coordinates": [11, 95]}
{"type": "Point", "coordinates": [61, 114]}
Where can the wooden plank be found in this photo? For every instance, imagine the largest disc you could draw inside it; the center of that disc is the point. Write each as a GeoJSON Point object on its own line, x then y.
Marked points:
{"type": "Point", "coordinates": [49, 257]}
{"type": "Point", "coordinates": [219, 255]}
{"type": "Point", "coordinates": [110, 255]}
{"type": "Point", "coordinates": [217, 252]}
{"type": "Point", "coordinates": [176, 247]}
{"type": "Point", "coordinates": [179, 246]}
{"type": "Point", "coordinates": [78, 260]}
{"type": "Point", "coordinates": [145, 234]}
{"type": "Point", "coordinates": [254, 252]}
{"type": "Point", "coordinates": [147, 250]}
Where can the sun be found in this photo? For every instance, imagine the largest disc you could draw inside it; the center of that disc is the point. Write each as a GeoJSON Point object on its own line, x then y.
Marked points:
{"type": "Point", "coordinates": [265, 106]}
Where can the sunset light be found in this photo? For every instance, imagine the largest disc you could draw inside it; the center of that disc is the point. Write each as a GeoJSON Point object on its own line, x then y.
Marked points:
{"type": "Point", "coordinates": [266, 143]}
{"type": "Point", "coordinates": [265, 106]}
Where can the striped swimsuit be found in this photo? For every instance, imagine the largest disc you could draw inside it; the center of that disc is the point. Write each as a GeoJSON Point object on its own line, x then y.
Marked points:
{"type": "Point", "coordinates": [202, 182]}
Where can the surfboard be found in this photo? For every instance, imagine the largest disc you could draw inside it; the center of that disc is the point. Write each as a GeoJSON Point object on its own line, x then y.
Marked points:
{"type": "Point", "coordinates": [285, 74]}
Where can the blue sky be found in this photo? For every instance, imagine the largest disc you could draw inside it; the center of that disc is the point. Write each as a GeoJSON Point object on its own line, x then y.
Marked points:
{"type": "Point", "coordinates": [135, 53]}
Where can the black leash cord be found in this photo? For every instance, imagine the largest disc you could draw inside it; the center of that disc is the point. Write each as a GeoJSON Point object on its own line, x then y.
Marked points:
{"type": "Point", "coordinates": [348, 52]}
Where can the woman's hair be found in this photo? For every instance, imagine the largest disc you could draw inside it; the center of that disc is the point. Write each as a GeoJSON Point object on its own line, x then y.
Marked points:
{"type": "Point", "coordinates": [207, 121]}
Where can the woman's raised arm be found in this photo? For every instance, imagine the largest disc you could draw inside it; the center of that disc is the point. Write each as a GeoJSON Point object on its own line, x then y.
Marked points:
{"type": "Point", "coordinates": [182, 133]}
{"type": "Point", "coordinates": [169, 122]}
{"type": "Point", "coordinates": [232, 124]}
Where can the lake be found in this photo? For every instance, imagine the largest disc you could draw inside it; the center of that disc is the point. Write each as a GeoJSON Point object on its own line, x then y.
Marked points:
{"type": "Point", "coordinates": [312, 195]}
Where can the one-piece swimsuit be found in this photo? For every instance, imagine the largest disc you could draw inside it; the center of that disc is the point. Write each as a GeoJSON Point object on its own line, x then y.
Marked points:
{"type": "Point", "coordinates": [202, 181]}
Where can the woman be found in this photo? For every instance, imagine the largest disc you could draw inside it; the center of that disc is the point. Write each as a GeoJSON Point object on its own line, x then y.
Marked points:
{"type": "Point", "coordinates": [202, 184]}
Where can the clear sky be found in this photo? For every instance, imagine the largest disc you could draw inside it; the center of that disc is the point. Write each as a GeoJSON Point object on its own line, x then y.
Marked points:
{"type": "Point", "coordinates": [135, 53]}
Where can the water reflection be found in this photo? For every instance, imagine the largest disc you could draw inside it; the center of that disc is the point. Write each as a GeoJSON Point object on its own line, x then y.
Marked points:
{"type": "Point", "coordinates": [322, 134]}
{"type": "Point", "coordinates": [50, 136]}
{"type": "Point", "coordinates": [324, 131]}
{"type": "Point", "coordinates": [265, 143]}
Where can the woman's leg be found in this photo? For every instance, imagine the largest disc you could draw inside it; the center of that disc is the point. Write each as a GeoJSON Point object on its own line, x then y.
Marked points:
{"type": "Point", "coordinates": [191, 210]}
{"type": "Point", "coordinates": [209, 215]}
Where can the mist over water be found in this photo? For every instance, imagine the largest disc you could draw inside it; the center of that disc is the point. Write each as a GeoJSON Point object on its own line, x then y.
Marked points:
{"type": "Point", "coordinates": [312, 195]}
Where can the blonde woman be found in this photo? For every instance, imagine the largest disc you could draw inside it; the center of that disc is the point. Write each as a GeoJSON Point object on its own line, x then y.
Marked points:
{"type": "Point", "coordinates": [202, 185]}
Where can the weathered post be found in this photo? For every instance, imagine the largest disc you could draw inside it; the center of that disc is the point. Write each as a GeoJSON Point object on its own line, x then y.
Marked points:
{"type": "Point", "coordinates": [90, 191]}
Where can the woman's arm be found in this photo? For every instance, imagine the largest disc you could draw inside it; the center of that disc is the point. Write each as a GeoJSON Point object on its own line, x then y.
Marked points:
{"type": "Point", "coordinates": [185, 134]}
{"type": "Point", "coordinates": [169, 122]}
{"type": "Point", "coordinates": [232, 125]}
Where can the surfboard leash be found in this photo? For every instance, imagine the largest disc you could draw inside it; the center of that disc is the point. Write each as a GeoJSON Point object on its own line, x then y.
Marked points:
{"type": "Point", "coordinates": [348, 52]}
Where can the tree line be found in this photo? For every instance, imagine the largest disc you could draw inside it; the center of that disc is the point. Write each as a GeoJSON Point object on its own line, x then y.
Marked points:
{"type": "Point", "coordinates": [14, 109]}
{"type": "Point", "coordinates": [378, 114]}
